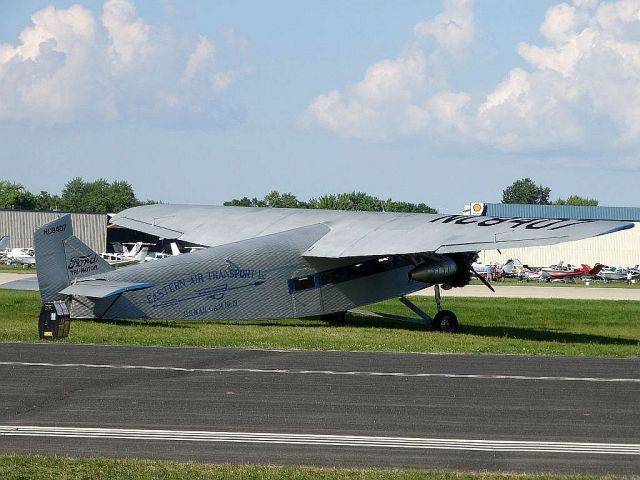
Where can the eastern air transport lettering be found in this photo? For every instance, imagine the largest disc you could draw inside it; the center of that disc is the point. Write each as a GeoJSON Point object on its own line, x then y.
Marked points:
{"type": "Point", "coordinates": [160, 293]}
{"type": "Point", "coordinates": [163, 296]}
{"type": "Point", "coordinates": [513, 223]}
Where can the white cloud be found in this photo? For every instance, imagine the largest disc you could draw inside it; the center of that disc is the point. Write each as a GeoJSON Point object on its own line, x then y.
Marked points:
{"type": "Point", "coordinates": [70, 66]}
{"type": "Point", "coordinates": [584, 82]}
{"type": "Point", "coordinates": [405, 95]}
{"type": "Point", "coordinates": [46, 75]}
{"type": "Point", "coordinates": [129, 39]}
{"type": "Point", "coordinates": [580, 88]}
{"type": "Point", "coordinates": [452, 29]}
{"type": "Point", "coordinates": [385, 103]}
{"type": "Point", "coordinates": [202, 58]}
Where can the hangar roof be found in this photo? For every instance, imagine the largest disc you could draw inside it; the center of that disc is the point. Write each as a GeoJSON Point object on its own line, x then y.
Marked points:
{"type": "Point", "coordinates": [631, 214]}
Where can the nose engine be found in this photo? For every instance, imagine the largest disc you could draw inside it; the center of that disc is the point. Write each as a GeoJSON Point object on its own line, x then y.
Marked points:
{"type": "Point", "coordinates": [447, 270]}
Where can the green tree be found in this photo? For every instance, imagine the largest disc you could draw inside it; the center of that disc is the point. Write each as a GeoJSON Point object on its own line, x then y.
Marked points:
{"type": "Point", "coordinates": [391, 206]}
{"type": "Point", "coordinates": [275, 199]}
{"type": "Point", "coordinates": [47, 202]}
{"type": "Point", "coordinates": [15, 196]}
{"type": "Point", "coordinates": [98, 196]}
{"type": "Point", "coordinates": [338, 201]}
{"type": "Point", "coordinates": [242, 202]}
{"type": "Point", "coordinates": [526, 191]}
{"type": "Point", "coordinates": [578, 201]}
{"type": "Point", "coordinates": [348, 201]}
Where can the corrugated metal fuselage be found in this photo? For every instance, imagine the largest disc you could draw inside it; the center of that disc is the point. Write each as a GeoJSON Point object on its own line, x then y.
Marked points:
{"type": "Point", "coordinates": [259, 278]}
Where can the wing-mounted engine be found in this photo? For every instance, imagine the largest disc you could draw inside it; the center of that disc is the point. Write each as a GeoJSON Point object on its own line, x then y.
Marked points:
{"type": "Point", "coordinates": [452, 270]}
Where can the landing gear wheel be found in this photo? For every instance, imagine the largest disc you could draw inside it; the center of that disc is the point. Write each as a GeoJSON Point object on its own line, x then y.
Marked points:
{"type": "Point", "coordinates": [446, 321]}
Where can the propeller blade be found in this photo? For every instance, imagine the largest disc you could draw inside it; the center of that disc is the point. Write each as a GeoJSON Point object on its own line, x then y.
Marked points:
{"type": "Point", "coordinates": [483, 280]}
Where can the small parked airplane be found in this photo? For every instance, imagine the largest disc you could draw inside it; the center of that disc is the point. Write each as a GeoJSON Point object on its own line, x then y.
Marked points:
{"type": "Point", "coordinates": [4, 243]}
{"type": "Point", "coordinates": [568, 271]}
{"type": "Point", "coordinates": [21, 256]}
{"type": "Point", "coordinates": [123, 256]}
{"type": "Point", "coordinates": [264, 263]}
{"type": "Point", "coordinates": [612, 274]}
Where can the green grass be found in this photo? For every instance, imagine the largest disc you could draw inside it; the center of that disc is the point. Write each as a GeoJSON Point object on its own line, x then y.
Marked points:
{"type": "Point", "coordinates": [14, 467]}
{"type": "Point", "coordinates": [16, 268]}
{"type": "Point", "coordinates": [488, 325]}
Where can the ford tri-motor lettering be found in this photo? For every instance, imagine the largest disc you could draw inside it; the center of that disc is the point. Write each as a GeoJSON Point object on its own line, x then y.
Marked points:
{"type": "Point", "coordinates": [83, 264]}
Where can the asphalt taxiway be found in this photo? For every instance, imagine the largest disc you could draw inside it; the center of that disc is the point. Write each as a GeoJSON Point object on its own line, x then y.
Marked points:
{"type": "Point", "coordinates": [463, 412]}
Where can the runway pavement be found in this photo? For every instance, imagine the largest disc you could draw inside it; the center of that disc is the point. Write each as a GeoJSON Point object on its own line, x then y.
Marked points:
{"type": "Point", "coordinates": [463, 412]}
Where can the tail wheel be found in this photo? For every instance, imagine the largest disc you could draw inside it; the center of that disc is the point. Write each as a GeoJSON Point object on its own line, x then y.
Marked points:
{"type": "Point", "coordinates": [446, 321]}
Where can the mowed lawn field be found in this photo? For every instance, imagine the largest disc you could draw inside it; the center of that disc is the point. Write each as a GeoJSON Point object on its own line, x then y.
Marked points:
{"type": "Point", "coordinates": [14, 467]}
{"type": "Point", "coordinates": [488, 325]}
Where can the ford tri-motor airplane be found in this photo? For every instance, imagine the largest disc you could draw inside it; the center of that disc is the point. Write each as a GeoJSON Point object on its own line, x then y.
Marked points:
{"type": "Point", "coordinates": [263, 263]}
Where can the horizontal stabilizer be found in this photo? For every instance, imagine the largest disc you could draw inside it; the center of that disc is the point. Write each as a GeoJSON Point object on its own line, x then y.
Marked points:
{"type": "Point", "coordinates": [98, 288]}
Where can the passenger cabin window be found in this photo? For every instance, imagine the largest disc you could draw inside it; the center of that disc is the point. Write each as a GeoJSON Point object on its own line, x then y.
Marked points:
{"type": "Point", "coordinates": [347, 273]}
{"type": "Point", "coordinates": [302, 283]}
{"type": "Point", "coordinates": [331, 277]}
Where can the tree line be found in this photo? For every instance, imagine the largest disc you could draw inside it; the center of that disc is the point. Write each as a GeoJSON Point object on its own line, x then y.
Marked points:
{"type": "Point", "coordinates": [340, 201]}
{"type": "Point", "coordinates": [526, 191]}
{"type": "Point", "coordinates": [99, 196]}
{"type": "Point", "coordinates": [102, 196]}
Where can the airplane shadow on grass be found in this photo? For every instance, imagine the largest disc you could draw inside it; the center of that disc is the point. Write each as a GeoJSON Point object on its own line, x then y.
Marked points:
{"type": "Point", "coordinates": [358, 321]}
{"type": "Point", "coordinates": [545, 335]}
{"type": "Point", "coordinates": [138, 323]}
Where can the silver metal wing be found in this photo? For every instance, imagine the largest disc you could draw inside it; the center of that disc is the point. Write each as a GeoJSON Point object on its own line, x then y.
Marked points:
{"type": "Point", "coordinates": [357, 234]}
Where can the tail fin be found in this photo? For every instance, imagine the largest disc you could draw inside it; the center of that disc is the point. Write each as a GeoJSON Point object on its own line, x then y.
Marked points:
{"type": "Point", "coordinates": [596, 269]}
{"type": "Point", "coordinates": [141, 255]}
{"type": "Point", "coordinates": [134, 250]}
{"type": "Point", "coordinates": [4, 243]}
{"type": "Point", "coordinates": [118, 248]}
{"type": "Point", "coordinates": [508, 267]}
{"type": "Point", "coordinates": [61, 258]}
{"type": "Point", "coordinates": [586, 268]}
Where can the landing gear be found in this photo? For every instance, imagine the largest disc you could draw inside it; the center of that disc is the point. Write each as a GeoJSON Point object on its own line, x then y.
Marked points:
{"type": "Point", "coordinates": [446, 321]}
{"type": "Point", "coordinates": [443, 321]}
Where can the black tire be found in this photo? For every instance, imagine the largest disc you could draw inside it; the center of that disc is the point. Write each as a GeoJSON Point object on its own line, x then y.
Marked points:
{"type": "Point", "coordinates": [446, 321]}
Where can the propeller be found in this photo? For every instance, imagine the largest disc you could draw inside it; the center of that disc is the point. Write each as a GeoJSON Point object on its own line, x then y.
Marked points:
{"type": "Point", "coordinates": [482, 279]}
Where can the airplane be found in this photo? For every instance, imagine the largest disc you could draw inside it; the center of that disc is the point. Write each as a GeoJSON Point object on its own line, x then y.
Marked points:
{"type": "Point", "coordinates": [265, 263]}
{"type": "Point", "coordinates": [175, 250]}
{"type": "Point", "coordinates": [4, 244]}
{"type": "Point", "coordinates": [568, 272]}
{"type": "Point", "coordinates": [124, 256]}
{"type": "Point", "coordinates": [612, 274]}
{"type": "Point", "coordinates": [21, 256]}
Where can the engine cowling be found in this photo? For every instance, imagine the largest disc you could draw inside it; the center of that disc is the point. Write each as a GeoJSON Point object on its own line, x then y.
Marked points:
{"type": "Point", "coordinates": [435, 270]}
{"type": "Point", "coordinates": [446, 270]}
